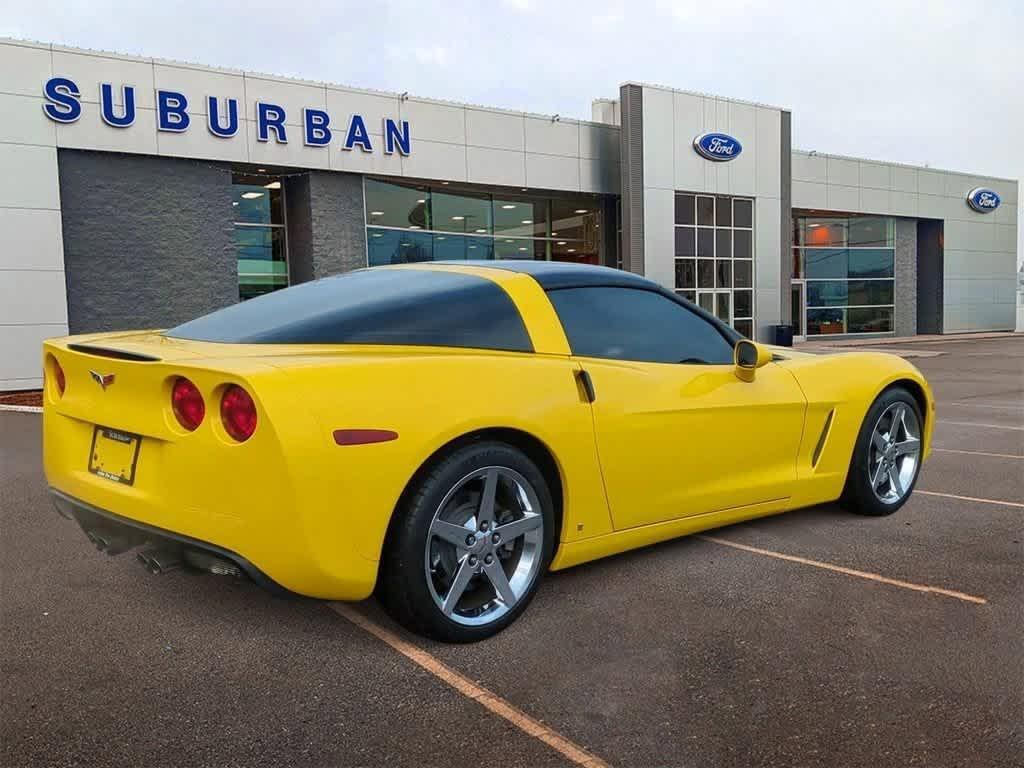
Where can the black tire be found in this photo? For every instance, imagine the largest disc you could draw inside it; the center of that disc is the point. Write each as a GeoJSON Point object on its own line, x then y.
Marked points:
{"type": "Point", "coordinates": [403, 585]}
{"type": "Point", "coordinates": [858, 496]}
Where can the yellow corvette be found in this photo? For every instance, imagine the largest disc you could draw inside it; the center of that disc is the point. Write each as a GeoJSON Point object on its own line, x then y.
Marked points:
{"type": "Point", "coordinates": [446, 433]}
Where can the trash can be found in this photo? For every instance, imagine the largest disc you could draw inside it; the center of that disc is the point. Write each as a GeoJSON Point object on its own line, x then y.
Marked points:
{"type": "Point", "coordinates": [782, 335]}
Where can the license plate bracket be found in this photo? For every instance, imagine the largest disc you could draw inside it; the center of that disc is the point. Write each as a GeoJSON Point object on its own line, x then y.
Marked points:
{"type": "Point", "coordinates": [114, 454]}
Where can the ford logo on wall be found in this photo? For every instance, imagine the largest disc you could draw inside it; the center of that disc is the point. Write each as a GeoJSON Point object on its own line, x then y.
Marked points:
{"type": "Point", "coordinates": [717, 146]}
{"type": "Point", "coordinates": [983, 200]}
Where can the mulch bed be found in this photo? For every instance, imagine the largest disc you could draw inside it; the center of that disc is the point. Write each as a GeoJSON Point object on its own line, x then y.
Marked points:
{"type": "Point", "coordinates": [33, 397]}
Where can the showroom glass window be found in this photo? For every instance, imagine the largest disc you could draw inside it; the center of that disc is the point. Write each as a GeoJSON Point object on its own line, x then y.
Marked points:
{"type": "Point", "coordinates": [714, 250]}
{"type": "Point", "coordinates": [436, 222]}
{"type": "Point", "coordinates": [258, 207]}
{"type": "Point", "coordinates": [847, 263]}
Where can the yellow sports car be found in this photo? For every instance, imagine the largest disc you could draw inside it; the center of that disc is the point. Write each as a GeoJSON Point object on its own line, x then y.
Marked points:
{"type": "Point", "coordinates": [443, 434]}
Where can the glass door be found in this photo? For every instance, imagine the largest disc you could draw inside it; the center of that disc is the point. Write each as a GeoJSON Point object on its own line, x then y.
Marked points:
{"type": "Point", "coordinates": [718, 303]}
{"type": "Point", "coordinates": [798, 298]}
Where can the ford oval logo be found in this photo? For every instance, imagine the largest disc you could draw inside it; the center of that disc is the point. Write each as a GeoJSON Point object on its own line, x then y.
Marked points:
{"type": "Point", "coordinates": [983, 200]}
{"type": "Point", "coordinates": [717, 146]}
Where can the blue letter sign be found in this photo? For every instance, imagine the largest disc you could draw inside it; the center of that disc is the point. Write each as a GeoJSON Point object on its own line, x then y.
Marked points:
{"type": "Point", "coordinates": [118, 109]}
{"type": "Point", "coordinates": [62, 103]}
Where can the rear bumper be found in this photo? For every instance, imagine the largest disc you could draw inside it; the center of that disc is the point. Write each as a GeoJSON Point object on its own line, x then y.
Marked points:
{"type": "Point", "coordinates": [115, 534]}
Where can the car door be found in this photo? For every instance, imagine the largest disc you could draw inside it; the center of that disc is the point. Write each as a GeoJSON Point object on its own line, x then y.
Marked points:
{"type": "Point", "coordinates": [678, 433]}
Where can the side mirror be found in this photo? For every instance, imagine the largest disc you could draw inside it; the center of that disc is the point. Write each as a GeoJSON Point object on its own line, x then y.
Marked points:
{"type": "Point", "coordinates": [748, 356]}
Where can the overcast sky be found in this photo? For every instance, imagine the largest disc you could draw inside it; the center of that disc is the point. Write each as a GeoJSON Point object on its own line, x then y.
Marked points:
{"type": "Point", "coordinates": [937, 82]}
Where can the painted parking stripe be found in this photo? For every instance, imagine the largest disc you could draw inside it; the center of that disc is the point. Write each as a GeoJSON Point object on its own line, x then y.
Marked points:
{"type": "Point", "coordinates": [997, 502]}
{"type": "Point", "coordinates": [980, 453]}
{"type": "Point", "coordinates": [988, 406]}
{"type": "Point", "coordinates": [982, 426]}
{"type": "Point", "coordinates": [497, 705]}
{"type": "Point", "coordinates": [846, 571]}
{"type": "Point", "coordinates": [21, 408]}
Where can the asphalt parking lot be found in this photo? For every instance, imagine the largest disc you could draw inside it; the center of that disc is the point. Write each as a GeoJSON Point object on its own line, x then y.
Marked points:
{"type": "Point", "coordinates": [818, 644]}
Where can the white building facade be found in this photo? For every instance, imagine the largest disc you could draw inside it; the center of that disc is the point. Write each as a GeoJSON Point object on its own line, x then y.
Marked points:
{"type": "Point", "coordinates": [143, 192]}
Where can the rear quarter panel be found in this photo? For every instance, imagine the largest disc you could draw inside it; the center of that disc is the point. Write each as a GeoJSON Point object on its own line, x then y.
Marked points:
{"type": "Point", "coordinates": [347, 494]}
{"type": "Point", "coordinates": [845, 384]}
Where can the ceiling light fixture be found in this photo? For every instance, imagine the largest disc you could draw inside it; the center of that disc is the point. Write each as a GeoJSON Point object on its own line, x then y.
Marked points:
{"type": "Point", "coordinates": [272, 185]}
{"type": "Point", "coordinates": [527, 221]}
{"type": "Point", "coordinates": [482, 230]}
{"type": "Point", "coordinates": [261, 170]}
{"type": "Point", "coordinates": [522, 249]}
{"type": "Point", "coordinates": [508, 206]}
{"type": "Point", "coordinates": [251, 195]}
{"type": "Point", "coordinates": [376, 213]}
{"type": "Point", "coordinates": [561, 242]}
{"type": "Point", "coordinates": [572, 250]}
{"type": "Point", "coordinates": [581, 210]}
{"type": "Point", "coordinates": [422, 200]}
{"type": "Point", "coordinates": [458, 218]}
{"type": "Point", "coordinates": [414, 226]}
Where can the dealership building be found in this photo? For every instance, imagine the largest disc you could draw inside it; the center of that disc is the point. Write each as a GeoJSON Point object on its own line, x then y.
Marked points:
{"type": "Point", "coordinates": [140, 193]}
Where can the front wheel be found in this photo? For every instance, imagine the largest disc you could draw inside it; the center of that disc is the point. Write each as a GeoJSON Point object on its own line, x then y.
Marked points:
{"type": "Point", "coordinates": [887, 457]}
{"type": "Point", "coordinates": [470, 544]}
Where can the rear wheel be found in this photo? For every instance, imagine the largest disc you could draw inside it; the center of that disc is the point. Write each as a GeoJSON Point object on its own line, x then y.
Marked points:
{"type": "Point", "coordinates": [887, 457]}
{"type": "Point", "coordinates": [470, 545]}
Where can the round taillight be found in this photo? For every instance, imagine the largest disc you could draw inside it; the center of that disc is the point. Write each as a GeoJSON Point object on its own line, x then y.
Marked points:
{"type": "Point", "coordinates": [58, 376]}
{"type": "Point", "coordinates": [187, 403]}
{"type": "Point", "coordinates": [238, 413]}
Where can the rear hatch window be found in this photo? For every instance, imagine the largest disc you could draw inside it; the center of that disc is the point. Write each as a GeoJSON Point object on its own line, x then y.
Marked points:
{"type": "Point", "coordinates": [375, 306]}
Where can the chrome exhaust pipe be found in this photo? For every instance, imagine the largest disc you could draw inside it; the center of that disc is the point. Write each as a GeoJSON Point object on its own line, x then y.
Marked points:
{"type": "Point", "coordinates": [159, 561]}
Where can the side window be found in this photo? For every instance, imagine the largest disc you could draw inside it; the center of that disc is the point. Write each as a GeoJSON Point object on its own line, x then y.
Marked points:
{"type": "Point", "coordinates": [634, 324]}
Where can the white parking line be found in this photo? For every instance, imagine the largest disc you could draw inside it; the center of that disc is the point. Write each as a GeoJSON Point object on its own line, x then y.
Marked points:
{"type": "Point", "coordinates": [1014, 407]}
{"type": "Point", "coordinates": [21, 408]}
{"type": "Point", "coordinates": [981, 426]}
{"type": "Point", "coordinates": [980, 453]}
{"type": "Point", "coordinates": [847, 571]}
{"type": "Point", "coordinates": [497, 705]}
{"type": "Point", "coordinates": [998, 502]}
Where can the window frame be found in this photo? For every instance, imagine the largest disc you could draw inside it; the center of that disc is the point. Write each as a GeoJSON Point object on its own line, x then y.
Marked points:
{"type": "Point", "coordinates": [271, 226]}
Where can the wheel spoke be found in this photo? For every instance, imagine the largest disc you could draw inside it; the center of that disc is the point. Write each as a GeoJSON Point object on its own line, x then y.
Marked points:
{"type": "Point", "coordinates": [512, 531]}
{"type": "Point", "coordinates": [899, 416]}
{"type": "Point", "coordinates": [485, 514]}
{"type": "Point", "coordinates": [894, 481]}
{"type": "Point", "coordinates": [878, 476]}
{"type": "Point", "coordinates": [497, 576]}
{"type": "Point", "coordinates": [462, 577]}
{"type": "Point", "coordinates": [453, 534]}
{"type": "Point", "coordinates": [879, 440]}
{"type": "Point", "coordinates": [909, 447]}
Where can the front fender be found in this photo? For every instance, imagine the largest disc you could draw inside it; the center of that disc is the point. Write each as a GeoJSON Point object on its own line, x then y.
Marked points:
{"type": "Point", "coordinates": [844, 385]}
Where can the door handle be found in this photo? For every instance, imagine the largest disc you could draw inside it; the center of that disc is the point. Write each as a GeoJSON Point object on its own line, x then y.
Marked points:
{"type": "Point", "coordinates": [588, 386]}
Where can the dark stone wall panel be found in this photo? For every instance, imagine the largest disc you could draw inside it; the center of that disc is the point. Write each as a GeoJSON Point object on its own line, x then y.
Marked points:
{"type": "Point", "coordinates": [148, 241]}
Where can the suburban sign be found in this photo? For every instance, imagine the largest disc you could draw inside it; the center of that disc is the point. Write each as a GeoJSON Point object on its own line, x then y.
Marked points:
{"type": "Point", "coordinates": [983, 200]}
{"type": "Point", "coordinates": [63, 105]}
{"type": "Point", "coordinates": [717, 146]}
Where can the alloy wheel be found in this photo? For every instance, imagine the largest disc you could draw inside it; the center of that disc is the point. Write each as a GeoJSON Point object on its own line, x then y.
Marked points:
{"type": "Point", "coordinates": [484, 546]}
{"type": "Point", "coordinates": [894, 453]}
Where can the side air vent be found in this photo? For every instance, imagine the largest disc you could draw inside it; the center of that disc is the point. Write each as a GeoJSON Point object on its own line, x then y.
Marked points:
{"type": "Point", "coordinates": [117, 354]}
{"type": "Point", "coordinates": [821, 439]}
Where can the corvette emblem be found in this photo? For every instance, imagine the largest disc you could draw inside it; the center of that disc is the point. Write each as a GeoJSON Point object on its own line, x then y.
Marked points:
{"type": "Point", "coordinates": [103, 379]}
